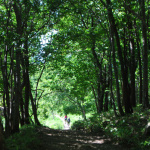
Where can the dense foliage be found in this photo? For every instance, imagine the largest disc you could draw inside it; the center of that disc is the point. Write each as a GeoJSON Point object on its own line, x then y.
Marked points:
{"type": "Point", "coordinates": [73, 57]}
{"type": "Point", "coordinates": [128, 130]}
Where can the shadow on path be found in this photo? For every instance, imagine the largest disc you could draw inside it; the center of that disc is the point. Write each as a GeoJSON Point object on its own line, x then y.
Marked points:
{"type": "Point", "coordinates": [52, 139]}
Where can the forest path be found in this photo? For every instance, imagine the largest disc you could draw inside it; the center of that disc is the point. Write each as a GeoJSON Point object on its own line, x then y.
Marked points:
{"type": "Point", "coordinates": [66, 126]}
{"type": "Point", "coordinates": [52, 139]}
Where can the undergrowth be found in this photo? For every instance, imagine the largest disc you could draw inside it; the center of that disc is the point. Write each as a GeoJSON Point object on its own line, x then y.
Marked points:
{"type": "Point", "coordinates": [26, 139]}
{"type": "Point", "coordinates": [128, 129]}
{"type": "Point", "coordinates": [51, 122]}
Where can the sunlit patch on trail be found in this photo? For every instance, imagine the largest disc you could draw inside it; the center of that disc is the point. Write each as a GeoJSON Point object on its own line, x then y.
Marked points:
{"type": "Point", "coordinates": [76, 140]}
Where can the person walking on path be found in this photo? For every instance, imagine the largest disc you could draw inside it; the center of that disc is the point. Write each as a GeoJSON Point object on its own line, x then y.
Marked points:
{"type": "Point", "coordinates": [68, 121]}
{"type": "Point", "coordinates": [65, 118]}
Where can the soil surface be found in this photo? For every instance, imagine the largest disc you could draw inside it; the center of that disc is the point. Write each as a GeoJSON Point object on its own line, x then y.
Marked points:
{"type": "Point", "coordinates": [52, 139]}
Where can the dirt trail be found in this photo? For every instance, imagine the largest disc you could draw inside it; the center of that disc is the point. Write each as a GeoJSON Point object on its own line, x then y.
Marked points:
{"type": "Point", "coordinates": [52, 139]}
{"type": "Point", "coordinates": [66, 126]}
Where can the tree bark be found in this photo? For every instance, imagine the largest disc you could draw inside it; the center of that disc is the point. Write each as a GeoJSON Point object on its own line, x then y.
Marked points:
{"type": "Point", "coordinates": [6, 99]}
{"type": "Point", "coordinates": [27, 83]}
{"type": "Point", "coordinates": [114, 58]}
{"type": "Point", "coordinates": [111, 83]}
{"type": "Point", "coordinates": [106, 101]}
{"type": "Point", "coordinates": [126, 96]}
{"type": "Point", "coordinates": [5, 75]}
{"type": "Point", "coordinates": [100, 80]}
{"type": "Point", "coordinates": [17, 69]}
{"type": "Point", "coordinates": [132, 62]}
{"type": "Point", "coordinates": [2, 146]}
{"type": "Point", "coordinates": [140, 66]}
{"type": "Point", "coordinates": [145, 55]}
{"type": "Point", "coordinates": [34, 109]}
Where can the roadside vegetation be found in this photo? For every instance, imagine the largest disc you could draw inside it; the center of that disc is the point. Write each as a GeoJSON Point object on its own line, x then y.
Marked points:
{"type": "Point", "coordinates": [127, 130]}
{"type": "Point", "coordinates": [26, 139]}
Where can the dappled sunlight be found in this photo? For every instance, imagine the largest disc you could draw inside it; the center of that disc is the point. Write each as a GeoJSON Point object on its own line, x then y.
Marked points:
{"type": "Point", "coordinates": [56, 139]}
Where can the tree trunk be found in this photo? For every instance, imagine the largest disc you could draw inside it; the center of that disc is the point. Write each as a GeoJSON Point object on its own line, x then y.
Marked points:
{"type": "Point", "coordinates": [100, 80]}
{"type": "Point", "coordinates": [132, 62]}
{"type": "Point", "coordinates": [99, 96]}
{"type": "Point", "coordinates": [141, 81]}
{"type": "Point", "coordinates": [17, 93]}
{"type": "Point", "coordinates": [2, 147]}
{"type": "Point", "coordinates": [34, 109]}
{"type": "Point", "coordinates": [4, 69]}
{"type": "Point", "coordinates": [96, 102]}
{"type": "Point", "coordinates": [22, 119]}
{"type": "Point", "coordinates": [17, 69]}
{"type": "Point", "coordinates": [140, 65]}
{"type": "Point", "coordinates": [82, 110]}
{"type": "Point", "coordinates": [145, 56]}
{"type": "Point", "coordinates": [6, 100]}
{"type": "Point", "coordinates": [106, 101]}
{"type": "Point", "coordinates": [111, 85]}
{"type": "Point", "coordinates": [126, 96]}
{"type": "Point", "coordinates": [27, 83]}
{"type": "Point", "coordinates": [114, 61]}
{"type": "Point", "coordinates": [116, 74]}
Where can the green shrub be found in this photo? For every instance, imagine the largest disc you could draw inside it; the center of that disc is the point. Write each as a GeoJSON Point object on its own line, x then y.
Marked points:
{"type": "Point", "coordinates": [78, 125]}
{"type": "Point", "coordinates": [93, 124]}
{"type": "Point", "coordinates": [128, 129]}
{"type": "Point", "coordinates": [146, 144]}
{"type": "Point", "coordinates": [26, 139]}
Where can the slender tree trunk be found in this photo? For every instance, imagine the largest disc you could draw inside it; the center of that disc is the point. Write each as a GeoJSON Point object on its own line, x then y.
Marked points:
{"type": "Point", "coordinates": [34, 109]}
{"type": "Point", "coordinates": [145, 55]}
{"type": "Point", "coordinates": [17, 69]}
{"type": "Point", "coordinates": [140, 65]}
{"type": "Point", "coordinates": [96, 102]}
{"type": "Point", "coordinates": [106, 101]}
{"type": "Point", "coordinates": [116, 76]}
{"type": "Point", "coordinates": [141, 81]}
{"type": "Point", "coordinates": [100, 80]}
{"type": "Point", "coordinates": [114, 62]}
{"type": "Point", "coordinates": [27, 84]}
{"type": "Point", "coordinates": [132, 62]}
{"type": "Point", "coordinates": [99, 100]}
{"type": "Point", "coordinates": [2, 146]}
{"type": "Point", "coordinates": [132, 76]}
{"type": "Point", "coordinates": [6, 100]}
{"type": "Point", "coordinates": [4, 68]}
{"type": "Point", "coordinates": [82, 110]}
{"type": "Point", "coordinates": [126, 96]}
{"type": "Point", "coordinates": [34, 100]}
{"type": "Point", "coordinates": [111, 85]}
{"type": "Point", "coordinates": [26, 61]}
{"type": "Point", "coordinates": [105, 91]}
{"type": "Point", "coordinates": [22, 121]}
{"type": "Point", "coordinates": [17, 92]}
